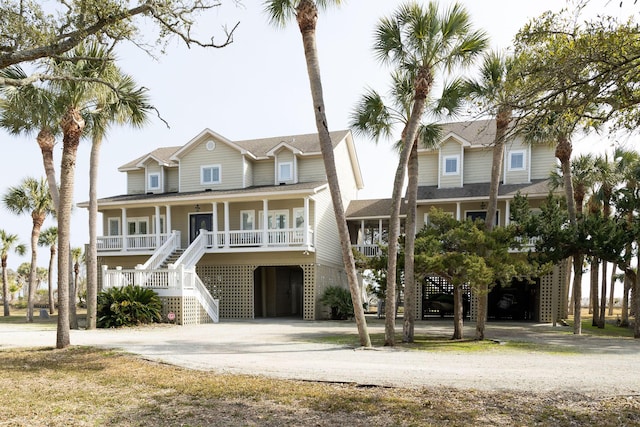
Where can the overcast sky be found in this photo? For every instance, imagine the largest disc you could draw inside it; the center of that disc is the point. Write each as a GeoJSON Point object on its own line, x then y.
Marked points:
{"type": "Point", "coordinates": [256, 87]}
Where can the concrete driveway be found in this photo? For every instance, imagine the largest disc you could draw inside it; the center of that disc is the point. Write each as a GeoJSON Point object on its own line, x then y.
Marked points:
{"type": "Point", "coordinates": [281, 348]}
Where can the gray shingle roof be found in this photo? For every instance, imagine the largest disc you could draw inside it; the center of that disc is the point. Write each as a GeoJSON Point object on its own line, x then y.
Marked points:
{"type": "Point", "coordinates": [536, 187]}
{"type": "Point", "coordinates": [305, 187]}
{"type": "Point", "coordinates": [379, 208]}
{"type": "Point", "coordinates": [477, 133]}
{"type": "Point", "coordinates": [306, 143]}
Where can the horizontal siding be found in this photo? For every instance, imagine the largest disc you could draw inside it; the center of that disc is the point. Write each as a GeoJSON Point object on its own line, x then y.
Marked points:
{"type": "Point", "coordinates": [311, 169]}
{"type": "Point", "coordinates": [263, 172]}
{"type": "Point", "coordinates": [543, 161]}
{"type": "Point", "coordinates": [450, 148]}
{"type": "Point", "coordinates": [428, 168]}
{"type": "Point", "coordinates": [153, 168]}
{"type": "Point", "coordinates": [348, 186]}
{"type": "Point", "coordinates": [229, 158]}
{"type": "Point", "coordinates": [135, 182]}
{"type": "Point", "coordinates": [516, 177]}
{"type": "Point", "coordinates": [285, 156]}
{"type": "Point", "coordinates": [248, 173]}
{"type": "Point", "coordinates": [172, 180]}
{"type": "Point", "coordinates": [477, 166]}
{"type": "Point", "coordinates": [327, 245]}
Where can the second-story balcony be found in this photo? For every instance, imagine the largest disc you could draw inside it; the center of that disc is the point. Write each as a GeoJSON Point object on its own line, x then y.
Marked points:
{"type": "Point", "coordinates": [219, 241]}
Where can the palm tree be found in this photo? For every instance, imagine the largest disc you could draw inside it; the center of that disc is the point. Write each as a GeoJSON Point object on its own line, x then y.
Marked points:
{"type": "Point", "coordinates": [374, 119]}
{"type": "Point", "coordinates": [33, 109]}
{"type": "Point", "coordinates": [578, 175]}
{"type": "Point", "coordinates": [128, 104]}
{"type": "Point", "coordinates": [419, 42]}
{"type": "Point", "coordinates": [492, 92]}
{"type": "Point", "coordinates": [306, 14]}
{"type": "Point", "coordinates": [49, 237]}
{"type": "Point", "coordinates": [8, 243]}
{"type": "Point", "coordinates": [76, 256]}
{"type": "Point", "coordinates": [31, 197]}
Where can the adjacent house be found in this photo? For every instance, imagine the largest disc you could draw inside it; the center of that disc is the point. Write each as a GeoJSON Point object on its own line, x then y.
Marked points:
{"type": "Point", "coordinates": [454, 176]}
{"type": "Point", "coordinates": [245, 229]}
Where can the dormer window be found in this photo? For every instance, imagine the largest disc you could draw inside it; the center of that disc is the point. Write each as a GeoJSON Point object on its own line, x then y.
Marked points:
{"type": "Point", "coordinates": [154, 181]}
{"type": "Point", "coordinates": [210, 174]}
{"type": "Point", "coordinates": [285, 171]}
{"type": "Point", "coordinates": [516, 160]}
{"type": "Point", "coordinates": [451, 165]}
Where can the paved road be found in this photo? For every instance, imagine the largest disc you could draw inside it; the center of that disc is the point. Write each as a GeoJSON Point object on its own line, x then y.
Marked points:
{"type": "Point", "coordinates": [281, 349]}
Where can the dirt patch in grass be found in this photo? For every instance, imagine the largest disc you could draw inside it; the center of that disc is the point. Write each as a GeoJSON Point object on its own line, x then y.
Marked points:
{"type": "Point", "coordinates": [83, 386]}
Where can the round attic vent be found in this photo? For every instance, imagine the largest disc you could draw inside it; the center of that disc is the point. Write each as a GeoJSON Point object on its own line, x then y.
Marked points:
{"type": "Point", "coordinates": [210, 144]}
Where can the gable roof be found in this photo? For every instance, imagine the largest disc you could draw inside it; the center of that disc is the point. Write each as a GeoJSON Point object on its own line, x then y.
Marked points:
{"type": "Point", "coordinates": [476, 133]}
{"type": "Point", "coordinates": [372, 208]}
{"type": "Point", "coordinates": [303, 145]}
{"type": "Point", "coordinates": [161, 155]}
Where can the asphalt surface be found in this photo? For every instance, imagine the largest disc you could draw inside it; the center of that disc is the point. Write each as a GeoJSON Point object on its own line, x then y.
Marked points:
{"type": "Point", "coordinates": [284, 348]}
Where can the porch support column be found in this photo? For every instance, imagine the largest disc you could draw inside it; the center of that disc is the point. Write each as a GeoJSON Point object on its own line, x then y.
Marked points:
{"type": "Point", "coordinates": [265, 221]}
{"type": "Point", "coordinates": [226, 224]}
{"type": "Point", "coordinates": [157, 226]}
{"type": "Point", "coordinates": [458, 211]}
{"type": "Point", "coordinates": [507, 212]}
{"type": "Point", "coordinates": [307, 225]}
{"type": "Point", "coordinates": [214, 223]}
{"type": "Point", "coordinates": [167, 219]}
{"type": "Point", "coordinates": [379, 231]}
{"type": "Point", "coordinates": [125, 229]}
{"type": "Point", "coordinates": [361, 238]}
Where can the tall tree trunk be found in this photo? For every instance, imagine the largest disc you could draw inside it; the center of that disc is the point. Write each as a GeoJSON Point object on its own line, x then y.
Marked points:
{"type": "Point", "coordinates": [46, 142]}
{"type": "Point", "coordinates": [38, 220]}
{"type": "Point", "coordinates": [627, 285]}
{"type": "Point", "coordinates": [593, 296]}
{"type": "Point", "coordinates": [5, 288]}
{"type": "Point", "coordinates": [52, 304]}
{"type": "Point", "coordinates": [410, 284]}
{"type": "Point", "coordinates": [578, 260]}
{"type": "Point", "coordinates": [636, 302]}
{"type": "Point", "coordinates": [458, 313]}
{"type": "Point", "coordinates": [563, 153]}
{"type": "Point", "coordinates": [307, 16]}
{"type": "Point", "coordinates": [613, 286]}
{"type": "Point", "coordinates": [571, 296]}
{"type": "Point", "coordinates": [72, 125]}
{"type": "Point", "coordinates": [603, 296]}
{"type": "Point", "coordinates": [73, 301]}
{"type": "Point", "coordinates": [92, 250]}
{"type": "Point", "coordinates": [503, 118]}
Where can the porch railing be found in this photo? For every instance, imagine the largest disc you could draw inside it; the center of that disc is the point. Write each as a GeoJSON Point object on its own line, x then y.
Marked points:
{"type": "Point", "coordinates": [178, 279]}
{"type": "Point", "coordinates": [167, 248]}
{"type": "Point", "coordinates": [194, 252]}
{"type": "Point", "coordinates": [133, 242]}
{"type": "Point", "coordinates": [368, 250]}
{"type": "Point", "coordinates": [257, 238]}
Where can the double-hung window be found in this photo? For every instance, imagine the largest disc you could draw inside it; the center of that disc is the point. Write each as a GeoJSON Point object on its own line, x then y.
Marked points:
{"type": "Point", "coordinates": [285, 172]}
{"type": "Point", "coordinates": [154, 181]}
{"type": "Point", "coordinates": [517, 160]}
{"type": "Point", "coordinates": [451, 165]}
{"type": "Point", "coordinates": [210, 174]}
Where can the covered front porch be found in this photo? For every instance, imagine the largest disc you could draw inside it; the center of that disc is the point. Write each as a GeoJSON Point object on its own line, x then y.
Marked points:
{"type": "Point", "coordinates": [269, 224]}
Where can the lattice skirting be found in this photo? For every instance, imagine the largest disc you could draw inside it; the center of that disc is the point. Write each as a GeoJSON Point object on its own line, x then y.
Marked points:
{"type": "Point", "coordinates": [233, 285]}
{"type": "Point", "coordinates": [187, 310]}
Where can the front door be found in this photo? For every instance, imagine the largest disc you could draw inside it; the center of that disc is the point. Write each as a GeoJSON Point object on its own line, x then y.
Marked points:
{"type": "Point", "coordinates": [199, 222]}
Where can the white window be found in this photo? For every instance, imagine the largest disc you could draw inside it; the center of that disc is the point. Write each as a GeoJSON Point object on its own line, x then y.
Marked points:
{"type": "Point", "coordinates": [451, 165]}
{"type": "Point", "coordinates": [114, 227]}
{"type": "Point", "coordinates": [517, 160]}
{"type": "Point", "coordinates": [247, 220]}
{"type": "Point", "coordinates": [137, 225]}
{"type": "Point", "coordinates": [276, 219]}
{"type": "Point", "coordinates": [210, 174]}
{"type": "Point", "coordinates": [285, 171]}
{"type": "Point", "coordinates": [298, 218]}
{"type": "Point", "coordinates": [154, 181]}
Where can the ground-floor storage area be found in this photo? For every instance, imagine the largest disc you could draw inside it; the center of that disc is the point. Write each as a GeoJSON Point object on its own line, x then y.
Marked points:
{"type": "Point", "coordinates": [278, 291]}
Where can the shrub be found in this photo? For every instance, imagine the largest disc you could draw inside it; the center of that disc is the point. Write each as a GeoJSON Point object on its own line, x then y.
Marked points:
{"type": "Point", "coordinates": [128, 306]}
{"type": "Point", "coordinates": [339, 300]}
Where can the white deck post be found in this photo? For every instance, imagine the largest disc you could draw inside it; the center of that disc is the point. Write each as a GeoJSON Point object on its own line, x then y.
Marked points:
{"type": "Point", "coordinates": [226, 224]}
{"type": "Point", "coordinates": [306, 222]}
{"type": "Point", "coordinates": [157, 226]}
{"type": "Point", "coordinates": [125, 229]}
{"type": "Point", "coordinates": [265, 221]}
{"type": "Point", "coordinates": [214, 221]}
